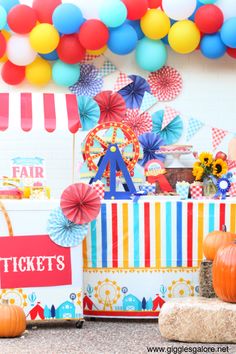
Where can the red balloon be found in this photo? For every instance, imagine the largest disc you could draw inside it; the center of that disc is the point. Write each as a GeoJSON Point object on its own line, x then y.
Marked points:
{"type": "Point", "coordinates": [22, 19]}
{"type": "Point", "coordinates": [209, 18]}
{"type": "Point", "coordinates": [231, 52]}
{"type": "Point", "coordinates": [70, 50]}
{"type": "Point", "coordinates": [136, 9]}
{"type": "Point", "coordinates": [3, 45]}
{"type": "Point", "coordinates": [93, 34]}
{"type": "Point", "coordinates": [13, 74]}
{"type": "Point", "coordinates": [45, 9]}
{"type": "Point", "coordinates": [154, 4]}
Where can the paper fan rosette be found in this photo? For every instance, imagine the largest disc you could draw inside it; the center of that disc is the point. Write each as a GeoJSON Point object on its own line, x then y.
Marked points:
{"type": "Point", "coordinates": [151, 143]}
{"type": "Point", "coordinates": [172, 132]}
{"type": "Point", "coordinates": [166, 83]}
{"type": "Point", "coordinates": [63, 232]}
{"type": "Point", "coordinates": [134, 92]}
{"type": "Point", "coordinates": [112, 106]}
{"type": "Point", "coordinates": [89, 83]}
{"type": "Point", "coordinates": [89, 112]}
{"type": "Point", "coordinates": [80, 203]}
{"type": "Point", "coordinates": [139, 122]}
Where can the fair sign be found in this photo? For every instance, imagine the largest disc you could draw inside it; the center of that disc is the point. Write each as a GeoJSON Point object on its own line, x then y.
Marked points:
{"type": "Point", "coordinates": [28, 167]}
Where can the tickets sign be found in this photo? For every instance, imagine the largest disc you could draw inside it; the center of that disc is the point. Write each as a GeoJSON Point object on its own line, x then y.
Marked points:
{"type": "Point", "coordinates": [33, 261]}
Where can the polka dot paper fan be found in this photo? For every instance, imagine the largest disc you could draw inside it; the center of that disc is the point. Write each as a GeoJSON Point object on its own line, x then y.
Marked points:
{"type": "Point", "coordinates": [166, 83]}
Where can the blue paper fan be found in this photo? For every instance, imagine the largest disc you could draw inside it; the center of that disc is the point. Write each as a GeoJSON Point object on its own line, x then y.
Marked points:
{"type": "Point", "coordinates": [64, 232]}
{"type": "Point", "coordinates": [134, 92]}
{"type": "Point", "coordinates": [151, 143]}
{"type": "Point", "coordinates": [89, 112]}
{"type": "Point", "coordinates": [172, 132]}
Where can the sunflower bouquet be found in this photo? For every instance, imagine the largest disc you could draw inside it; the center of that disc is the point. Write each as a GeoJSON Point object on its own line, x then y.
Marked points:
{"type": "Point", "coordinates": [209, 167]}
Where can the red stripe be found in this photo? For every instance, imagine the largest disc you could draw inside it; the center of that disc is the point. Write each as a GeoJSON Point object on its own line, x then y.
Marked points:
{"type": "Point", "coordinates": [73, 113]}
{"type": "Point", "coordinates": [4, 111]}
{"type": "Point", "coordinates": [190, 235]}
{"type": "Point", "coordinates": [222, 216]}
{"type": "Point", "coordinates": [94, 313]}
{"type": "Point", "coordinates": [26, 111]}
{"type": "Point", "coordinates": [114, 236]}
{"type": "Point", "coordinates": [49, 112]}
{"type": "Point", "coordinates": [147, 234]}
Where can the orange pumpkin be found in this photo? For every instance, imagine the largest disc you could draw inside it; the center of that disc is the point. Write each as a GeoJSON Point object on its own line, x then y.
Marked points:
{"type": "Point", "coordinates": [224, 273]}
{"type": "Point", "coordinates": [12, 320]}
{"type": "Point", "coordinates": [214, 240]}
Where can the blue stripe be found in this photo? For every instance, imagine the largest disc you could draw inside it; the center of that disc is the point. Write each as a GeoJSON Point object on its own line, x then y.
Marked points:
{"type": "Point", "coordinates": [104, 235]}
{"type": "Point", "coordinates": [136, 234]}
{"type": "Point", "coordinates": [179, 234]}
{"type": "Point", "coordinates": [211, 217]}
{"type": "Point", "coordinates": [93, 228]}
{"type": "Point", "coordinates": [168, 235]}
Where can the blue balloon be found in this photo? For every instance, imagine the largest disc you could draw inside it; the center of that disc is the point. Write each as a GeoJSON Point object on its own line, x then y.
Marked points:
{"type": "Point", "coordinates": [212, 46]}
{"type": "Point", "coordinates": [3, 17]}
{"type": "Point", "coordinates": [199, 4]}
{"type": "Point", "coordinates": [228, 31]}
{"type": "Point", "coordinates": [67, 18]}
{"type": "Point", "coordinates": [123, 39]}
{"type": "Point", "coordinates": [137, 27]}
{"type": "Point", "coordinates": [65, 74]}
{"type": "Point", "coordinates": [151, 55]}
{"type": "Point", "coordinates": [9, 4]}
{"type": "Point", "coordinates": [113, 13]}
{"type": "Point", "coordinates": [50, 56]}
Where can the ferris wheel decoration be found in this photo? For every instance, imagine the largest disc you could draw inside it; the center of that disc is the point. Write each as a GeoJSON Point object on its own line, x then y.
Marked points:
{"type": "Point", "coordinates": [112, 161]}
{"type": "Point", "coordinates": [107, 292]}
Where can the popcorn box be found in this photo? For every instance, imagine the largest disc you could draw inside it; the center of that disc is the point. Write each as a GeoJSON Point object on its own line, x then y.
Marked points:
{"type": "Point", "coordinates": [148, 188]}
{"type": "Point", "coordinates": [182, 188]}
{"type": "Point", "coordinates": [196, 191]}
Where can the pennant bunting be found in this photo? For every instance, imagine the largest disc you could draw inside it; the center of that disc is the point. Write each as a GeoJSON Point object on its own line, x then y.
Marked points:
{"type": "Point", "coordinates": [194, 125]}
{"type": "Point", "coordinates": [122, 81]}
{"type": "Point", "coordinates": [169, 115]}
{"type": "Point", "coordinates": [88, 58]}
{"type": "Point", "coordinates": [217, 136]}
{"type": "Point", "coordinates": [148, 102]}
{"type": "Point", "coordinates": [107, 68]}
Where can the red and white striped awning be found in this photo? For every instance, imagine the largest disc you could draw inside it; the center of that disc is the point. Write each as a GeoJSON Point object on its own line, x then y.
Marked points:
{"type": "Point", "coordinates": [39, 111]}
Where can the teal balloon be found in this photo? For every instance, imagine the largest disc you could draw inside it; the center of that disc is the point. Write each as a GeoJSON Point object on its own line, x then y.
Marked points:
{"type": "Point", "coordinates": [9, 4]}
{"type": "Point", "coordinates": [65, 74]}
{"type": "Point", "coordinates": [113, 13]}
{"type": "Point", "coordinates": [3, 17]}
{"type": "Point", "coordinates": [207, 1]}
{"type": "Point", "coordinates": [151, 55]}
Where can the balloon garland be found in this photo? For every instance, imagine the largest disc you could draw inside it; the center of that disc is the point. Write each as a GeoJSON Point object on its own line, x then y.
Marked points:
{"type": "Point", "coordinates": [50, 39]}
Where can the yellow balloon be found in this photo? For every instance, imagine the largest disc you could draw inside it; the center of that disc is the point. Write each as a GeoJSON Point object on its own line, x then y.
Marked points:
{"type": "Point", "coordinates": [39, 72]}
{"type": "Point", "coordinates": [6, 35]}
{"type": "Point", "coordinates": [155, 24]}
{"type": "Point", "coordinates": [184, 37]}
{"type": "Point", "coordinates": [97, 52]}
{"type": "Point", "coordinates": [44, 38]}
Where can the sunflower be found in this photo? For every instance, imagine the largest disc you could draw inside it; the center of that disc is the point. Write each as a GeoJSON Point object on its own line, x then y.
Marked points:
{"type": "Point", "coordinates": [220, 167]}
{"type": "Point", "coordinates": [198, 172]}
{"type": "Point", "coordinates": [206, 158]}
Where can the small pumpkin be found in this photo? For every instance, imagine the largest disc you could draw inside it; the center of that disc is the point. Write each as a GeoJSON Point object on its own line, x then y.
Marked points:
{"type": "Point", "coordinates": [214, 240]}
{"type": "Point", "coordinates": [12, 320]}
{"type": "Point", "coordinates": [224, 273]}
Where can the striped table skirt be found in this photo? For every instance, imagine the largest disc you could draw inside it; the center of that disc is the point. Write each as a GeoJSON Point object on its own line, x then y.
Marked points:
{"type": "Point", "coordinates": [154, 234]}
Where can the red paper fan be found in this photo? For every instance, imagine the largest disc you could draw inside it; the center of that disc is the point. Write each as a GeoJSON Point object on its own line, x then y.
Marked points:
{"type": "Point", "coordinates": [112, 106]}
{"type": "Point", "coordinates": [139, 122]}
{"type": "Point", "coordinates": [166, 83]}
{"type": "Point", "coordinates": [80, 203]}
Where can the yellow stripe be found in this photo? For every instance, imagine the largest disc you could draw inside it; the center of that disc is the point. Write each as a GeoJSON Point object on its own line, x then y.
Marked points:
{"type": "Point", "coordinates": [233, 218]}
{"type": "Point", "coordinates": [125, 236]}
{"type": "Point", "coordinates": [158, 234]}
{"type": "Point", "coordinates": [200, 231]}
{"type": "Point", "coordinates": [85, 254]}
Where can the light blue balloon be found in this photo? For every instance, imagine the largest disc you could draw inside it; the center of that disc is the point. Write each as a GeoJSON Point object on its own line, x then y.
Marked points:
{"type": "Point", "coordinates": [151, 55]}
{"type": "Point", "coordinates": [123, 39]}
{"type": "Point", "coordinates": [113, 13]}
{"type": "Point", "coordinates": [212, 46]}
{"type": "Point", "coordinates": [3, 17]}
{"type": "Point", "coordinates": [228, 31]}
{"type": "Point", "coordinates": [65, 74]}
{"type": "Point", "coordinates": [9, 4]}
{"type": "Point", "coordinates": [67, 18]}
{"type": "Point", "coordinates": [207, 1]}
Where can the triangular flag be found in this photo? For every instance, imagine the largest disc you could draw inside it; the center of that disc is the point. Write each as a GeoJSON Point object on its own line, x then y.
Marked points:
{"type": "Point", "coordinates": [147, 102]}
{"type": "Point", "coordinates": [169, 115]}
{"type": "Point", "coordinates": [217, 136]}
{"type": "Point", "coordinates": [122, 81]}
{"type": "Point", "coordinates": [107, 68]}
{"type": "Point", "coordinates": [194, 125]}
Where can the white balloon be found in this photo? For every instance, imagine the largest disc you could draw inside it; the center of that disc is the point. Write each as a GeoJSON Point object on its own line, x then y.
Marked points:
{"type": "Point", "coordinates": [228, 7]}
{"type": "Point", "coordinates": [19, 51]}
{"type": "Point", "coordinates": [179, 10]}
